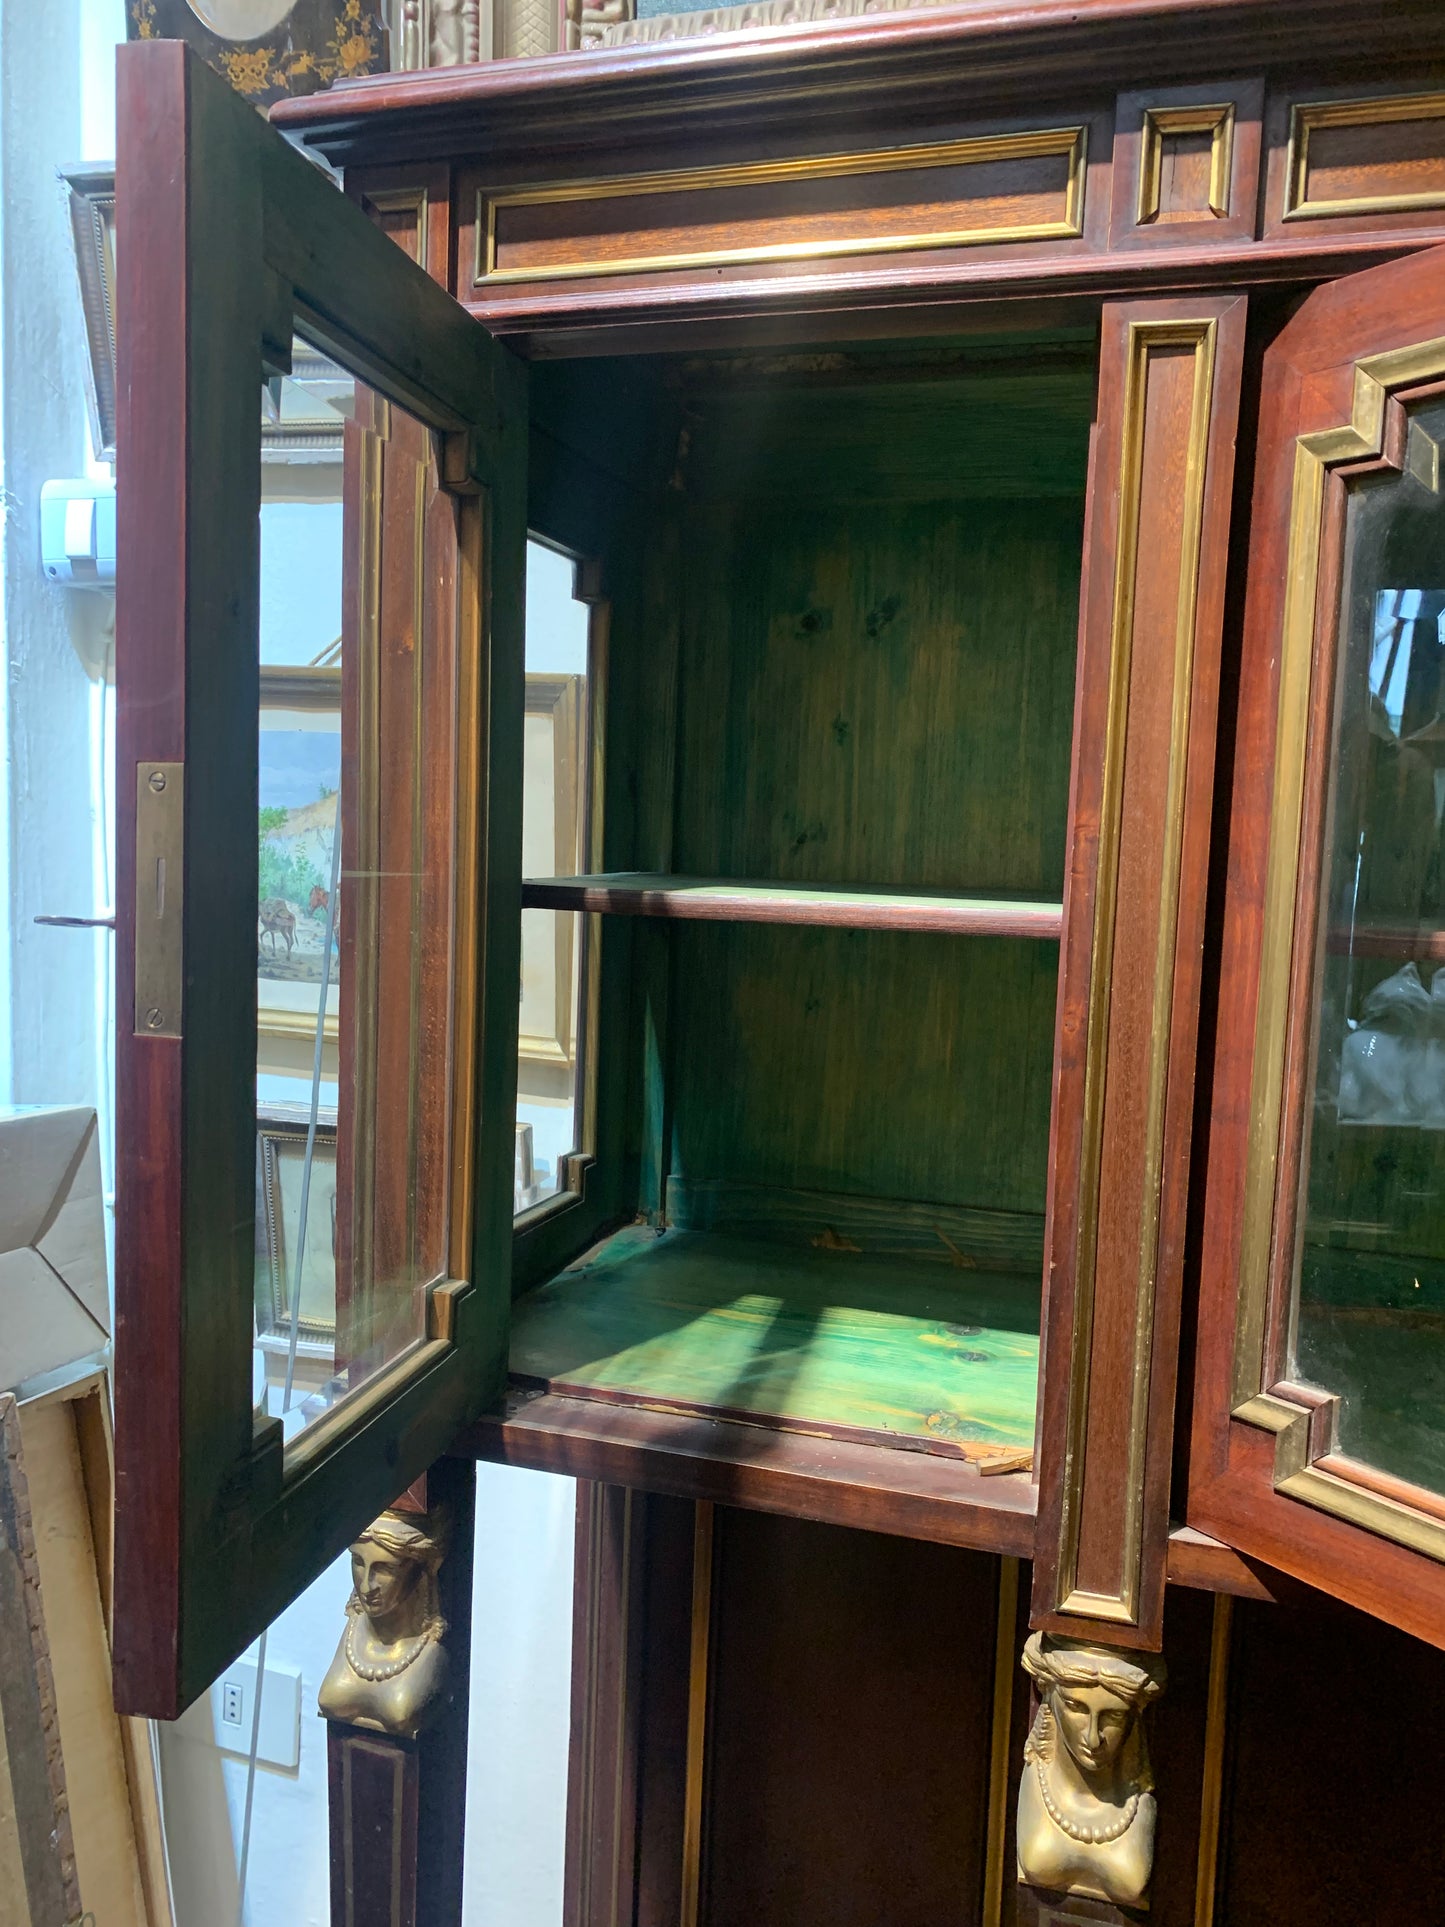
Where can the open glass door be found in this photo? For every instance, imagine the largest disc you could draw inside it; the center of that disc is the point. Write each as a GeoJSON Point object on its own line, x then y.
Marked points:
{"type": "Point", "coordinates": [1320, 1430]}
{"type": "Point", "coordinates": [319, 862]}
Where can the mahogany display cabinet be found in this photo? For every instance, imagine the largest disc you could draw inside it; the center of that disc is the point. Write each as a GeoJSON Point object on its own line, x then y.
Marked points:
{"type": "Point", "coordinates": [1000, 452]}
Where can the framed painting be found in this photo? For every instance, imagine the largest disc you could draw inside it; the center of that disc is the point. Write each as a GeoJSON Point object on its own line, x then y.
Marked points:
{"type": "Point", "coordinates": [299, 767]}
{"type": "Point", "coordinates": [36, 1848]}
{"type": "Point", "coordinates": [284, 1267]}
{"type": "Point", "coordinates": [551, 832]}
{"type": "Point", "coordinates": [91, 195]}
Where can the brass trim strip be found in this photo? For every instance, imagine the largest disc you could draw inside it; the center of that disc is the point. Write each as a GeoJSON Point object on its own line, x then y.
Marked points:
{"type": "Point", "coordinates": [473, 639]}
{"type": "Point", "coordinates": [1377, 377]}
{"type": "Point", "coordinates": [1211, 1797]}
{"type": "Point", "coordinates": [699, 1655]}
{"type": "Point", "coordinates": [1375, 111]}
{"type": "Point", "coordinates": [361, 865]}
{"type": "Point", "coordinates": [624, 1697]}
{"type": "Point", "coordinates": [1000, 1733]}
{"type": "Point", "coordinates": [1144, 338]}
{"type": "Point", "coordinates": [420, 637]}
{"type": "Point", "coordinates": [1217, 121]}
{"type": "Point", "coordinates": [1072, 141]}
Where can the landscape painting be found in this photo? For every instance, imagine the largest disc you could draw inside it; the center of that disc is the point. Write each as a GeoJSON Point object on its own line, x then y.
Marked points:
{"type": "Point", "coordinates": [297, 826]}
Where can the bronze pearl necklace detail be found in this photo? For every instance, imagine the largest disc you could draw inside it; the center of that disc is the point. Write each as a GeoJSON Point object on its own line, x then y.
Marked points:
{"type": "Point", "coordinates": [374, 1674]}
{"type": "Point", "coordinates": [1086, 1836]}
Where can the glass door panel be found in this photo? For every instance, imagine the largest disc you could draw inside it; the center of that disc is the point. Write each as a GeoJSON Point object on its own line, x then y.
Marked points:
{"type": "Point", "coordinates": [359, 812]}
{"type": "Point", "coordinates": [319, 694]}
{"type": "Point", "coordinates": [1369, 1306]}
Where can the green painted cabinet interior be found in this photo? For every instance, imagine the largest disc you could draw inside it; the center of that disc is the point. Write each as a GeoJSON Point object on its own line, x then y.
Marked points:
{"type": "Point", "coordinates": [844, 600]}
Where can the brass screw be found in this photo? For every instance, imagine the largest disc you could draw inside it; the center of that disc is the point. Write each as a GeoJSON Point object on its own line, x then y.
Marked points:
{"type": "Point", "coordinates": [158, 780]}
{"type": "Point", "coordinates": [153, 1019]}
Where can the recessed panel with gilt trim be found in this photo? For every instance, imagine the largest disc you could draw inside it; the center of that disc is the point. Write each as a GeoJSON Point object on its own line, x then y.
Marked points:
{"type": "Point", "coordinates": [988, 188]}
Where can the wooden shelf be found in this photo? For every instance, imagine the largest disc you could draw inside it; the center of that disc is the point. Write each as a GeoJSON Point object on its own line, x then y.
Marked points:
{"type": "Point", "coordinates": [832, 1341]}
{"type": "Point", "coordinates": [833, 1482]}
{"type": "Point", "coordinates": [1387, 940]}
{"type": "Point", "coordinates": [637, 893]}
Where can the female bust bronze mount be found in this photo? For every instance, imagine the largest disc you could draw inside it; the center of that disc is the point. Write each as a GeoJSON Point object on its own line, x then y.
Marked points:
{"type": "Point", "coordinates": [1086, 1800]}
{"type": "Point", "coordinates": [390, 1665]}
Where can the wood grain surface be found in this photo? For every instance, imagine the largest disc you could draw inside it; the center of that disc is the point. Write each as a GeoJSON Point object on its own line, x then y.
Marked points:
{"type": "Point", "coordinates": [826, 1339]}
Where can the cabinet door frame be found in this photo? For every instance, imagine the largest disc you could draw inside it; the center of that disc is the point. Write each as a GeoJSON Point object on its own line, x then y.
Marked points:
{"type": "Point", "coordinates": [231, 240]}
{"type": "Point", "coordinates": [1264, 1474]}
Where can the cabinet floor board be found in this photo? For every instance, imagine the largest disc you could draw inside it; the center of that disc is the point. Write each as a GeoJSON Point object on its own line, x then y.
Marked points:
{"type": "Point", "coordinates": [835, 1340]}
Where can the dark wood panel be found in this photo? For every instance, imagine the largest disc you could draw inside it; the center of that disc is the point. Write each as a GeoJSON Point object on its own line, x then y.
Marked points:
{"type": "Point", "coordinates": [1328, 1700]}
{"type": "Point", "coordinates": [1024, 185]}
{"type": "Point", "coordinates": [373, 1801]}
{"type": "Point", "coordinates": [1187, 164]}
{"type": "Point", "coordinates": [1367, 156]}
{"type": "Point", "coordinates": [1148, 680]}
{"type": "Point", "coordinates": [608, 1628]}
{"type": "Point", "coordinates": [1357, 157]}
{"type": "Point", "coordinates": [848, 1755]}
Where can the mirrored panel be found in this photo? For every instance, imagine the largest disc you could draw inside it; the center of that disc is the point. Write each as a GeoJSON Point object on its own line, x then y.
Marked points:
{"type": "Point", "coordinates": [360, 792]}
{"type": "Point", "coordinates": [556, 783]}
{"type": "Point", "coordinates": [1369, 1315]}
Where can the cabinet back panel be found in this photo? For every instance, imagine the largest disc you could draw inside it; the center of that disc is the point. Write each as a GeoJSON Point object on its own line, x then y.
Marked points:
{"type": "Point", "coordinates": [876, 672]}
{"type": "Point", "coordinates": [896, 1066]}
{"type": "Point", "coordinates": [879, 694]}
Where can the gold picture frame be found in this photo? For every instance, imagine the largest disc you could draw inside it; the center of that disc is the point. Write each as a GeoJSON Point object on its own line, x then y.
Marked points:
{"type": "Point", "coordinates": [35, 1832]}
{"type": "Point", "coordinates": [281, 1135]}
{"type": "Point", "coordinates": [90, 196]}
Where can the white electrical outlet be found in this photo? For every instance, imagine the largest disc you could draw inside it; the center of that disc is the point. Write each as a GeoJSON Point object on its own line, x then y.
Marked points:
{"type": "Point", "coordinates": [233, 1706]}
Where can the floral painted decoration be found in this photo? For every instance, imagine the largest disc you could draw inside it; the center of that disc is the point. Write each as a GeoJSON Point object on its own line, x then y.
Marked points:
{"type": "Point", "coordinates": [321, 41]}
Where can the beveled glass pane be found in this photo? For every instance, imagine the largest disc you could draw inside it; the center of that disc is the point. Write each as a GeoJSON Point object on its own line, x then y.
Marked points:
{"type": "Point", "coordinates": [356, 901]}
{"type": "Point", "coordinates": [1369, 1319]}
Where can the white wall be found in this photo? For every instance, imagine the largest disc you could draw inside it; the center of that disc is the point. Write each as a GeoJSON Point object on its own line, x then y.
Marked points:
{"type": "Point", "coordinates": [54, 984]}
{"type": "Point", "coordinates": [517, 1758]}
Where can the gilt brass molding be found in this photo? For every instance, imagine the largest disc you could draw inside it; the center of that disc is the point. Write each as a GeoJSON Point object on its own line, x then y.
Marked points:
{"type": "Point", "coordinates": [1144, 338]}
{"type": "Point", "coordinates": [977, 149]}
{"type": "Point", "coordinates": [699, 1664]}
{"type": "Point", "coordinates": [1000, 1735]}
{"type": "Point", "coordinates": [1255, 1400]}
{"type": "Point", "coordinates": [1211, 1792]}
{"type": "Point", "coordinates": [1217, 121]}
{"type": "Point", "coordinates": [1376, 111]}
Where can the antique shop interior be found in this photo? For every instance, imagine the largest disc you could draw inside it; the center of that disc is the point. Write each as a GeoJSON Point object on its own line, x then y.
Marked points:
{"type": "Point", "coordinates": [806, 1285]}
